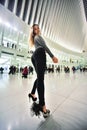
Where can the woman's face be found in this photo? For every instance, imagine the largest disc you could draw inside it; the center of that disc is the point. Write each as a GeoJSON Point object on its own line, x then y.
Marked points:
{"type": "Point", "coordinates": [36, 30]}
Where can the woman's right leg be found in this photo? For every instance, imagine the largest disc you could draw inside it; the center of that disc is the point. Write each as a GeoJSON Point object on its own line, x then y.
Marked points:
{"type": "Point", "coordinates": [39, 63]}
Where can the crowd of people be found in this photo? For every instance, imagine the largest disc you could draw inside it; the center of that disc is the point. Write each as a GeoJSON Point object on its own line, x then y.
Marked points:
{"type": "Point", "coordinates": [27, 70]}
{"type": "Point", "coordinates": [23, 70]}
{"type": "Point", "coordinates": [9, 45]}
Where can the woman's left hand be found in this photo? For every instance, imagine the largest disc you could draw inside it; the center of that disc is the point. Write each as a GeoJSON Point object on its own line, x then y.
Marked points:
{"type": "Point", "coordinates": [55, 60]}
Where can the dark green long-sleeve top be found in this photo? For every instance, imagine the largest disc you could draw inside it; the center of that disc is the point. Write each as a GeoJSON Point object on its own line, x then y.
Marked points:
{"type": "Point", "coordinates": [39, 42]}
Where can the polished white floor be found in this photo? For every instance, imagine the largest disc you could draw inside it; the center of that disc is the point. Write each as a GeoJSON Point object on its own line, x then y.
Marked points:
{"type": "Point", "coordinates": [66, 97]}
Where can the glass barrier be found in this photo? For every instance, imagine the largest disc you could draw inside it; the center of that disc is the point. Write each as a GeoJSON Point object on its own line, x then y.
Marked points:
{"type": "Point", "coordinates": [11, 38]}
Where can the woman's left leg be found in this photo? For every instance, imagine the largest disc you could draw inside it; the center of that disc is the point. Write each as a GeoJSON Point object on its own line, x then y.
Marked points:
{"type": "Point", "coordinates": [34, 87]}
{"type": "Point", "coordinates": [32, 94]}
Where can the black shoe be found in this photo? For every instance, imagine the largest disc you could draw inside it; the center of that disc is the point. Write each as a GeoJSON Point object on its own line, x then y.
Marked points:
{"type": "Point", "coordinates": [36, 109]}
{"type": "Point", "coordinates": [46, 114]}
{"type": "Point", "coordinates": [33, 98]}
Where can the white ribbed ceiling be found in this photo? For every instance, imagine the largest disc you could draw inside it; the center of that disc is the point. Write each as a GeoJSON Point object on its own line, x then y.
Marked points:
{"type": "Point", "coordinates": [62, 21]}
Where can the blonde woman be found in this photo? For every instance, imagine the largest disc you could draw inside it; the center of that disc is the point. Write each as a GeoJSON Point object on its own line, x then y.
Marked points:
{"type": "Point", "coordinates": [39, 61]}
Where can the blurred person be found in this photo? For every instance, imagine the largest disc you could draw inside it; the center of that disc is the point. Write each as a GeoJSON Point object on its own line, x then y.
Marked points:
{"type": "Point", "coordinates": [25, 72]}
{"type": "Point", "coordinates": [1, 69]}
{"type": "Point", "coordinates": [30, 70]}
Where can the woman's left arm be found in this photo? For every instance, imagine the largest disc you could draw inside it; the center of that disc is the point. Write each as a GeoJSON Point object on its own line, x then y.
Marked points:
{"type": "Point", "coordinates": [42, 43]}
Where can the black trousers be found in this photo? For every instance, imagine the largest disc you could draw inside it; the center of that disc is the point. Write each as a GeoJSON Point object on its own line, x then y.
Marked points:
{"type": "Point", "coordinates": [39, 62]}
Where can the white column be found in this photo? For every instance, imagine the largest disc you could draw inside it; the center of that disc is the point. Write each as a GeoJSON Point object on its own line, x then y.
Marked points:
{"type": "Point", "coordinates": [15, 6]}
{"type": "Point", "coordinates": [6, 3]}
{"type": "Point", "coordinates": [22, 9]}
{"type": "Point", "coordinates": [39, 11]}
{"type": "Point", "coordinates": [42, 16]}
{"type": "Point", "coordinates": [28, 12]}
{"type": "Point", "coordinates": [34, 11]}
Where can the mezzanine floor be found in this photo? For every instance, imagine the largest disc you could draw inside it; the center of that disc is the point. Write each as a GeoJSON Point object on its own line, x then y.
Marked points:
{"type": "Point", "coordinates": [66, 97]}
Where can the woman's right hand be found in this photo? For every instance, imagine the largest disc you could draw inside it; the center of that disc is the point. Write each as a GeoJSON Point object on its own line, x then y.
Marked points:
{"type": "Point", "coordinates": [55, 60]}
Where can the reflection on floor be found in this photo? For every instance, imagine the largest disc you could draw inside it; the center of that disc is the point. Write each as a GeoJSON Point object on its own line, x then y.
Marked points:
{"type": "Point", "coordinates": [66, 97]}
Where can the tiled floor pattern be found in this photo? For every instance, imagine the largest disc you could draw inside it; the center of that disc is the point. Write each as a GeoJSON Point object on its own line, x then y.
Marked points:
{"type": "Point", "coordinates": [66, 97]}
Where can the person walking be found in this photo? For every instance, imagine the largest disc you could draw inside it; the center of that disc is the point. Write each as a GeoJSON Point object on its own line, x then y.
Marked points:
{"type": "Point", "coordinates": [39, 61]}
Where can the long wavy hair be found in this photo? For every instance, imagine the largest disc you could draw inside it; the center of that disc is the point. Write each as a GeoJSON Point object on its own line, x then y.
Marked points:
{"type": "Point", "coordinates": [32, 35]}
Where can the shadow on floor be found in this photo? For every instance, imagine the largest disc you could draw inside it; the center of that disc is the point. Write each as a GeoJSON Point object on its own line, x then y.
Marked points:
{"type": "Point", "coordinates": [49, 124]}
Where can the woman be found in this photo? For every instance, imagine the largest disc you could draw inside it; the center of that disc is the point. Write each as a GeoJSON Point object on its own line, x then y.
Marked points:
{"type": "Point", "coordinates": [39, 61]}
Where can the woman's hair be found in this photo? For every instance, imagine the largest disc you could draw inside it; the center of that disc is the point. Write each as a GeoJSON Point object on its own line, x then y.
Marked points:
{"type": "Point", "coordinates": [32, 35]}
{"type": "Point", "coordinates": [35, 25]}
